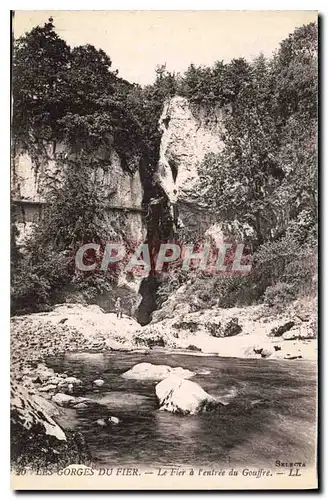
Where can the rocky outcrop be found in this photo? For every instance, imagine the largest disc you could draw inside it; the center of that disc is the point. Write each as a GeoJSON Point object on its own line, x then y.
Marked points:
{"type": "Point", "coordinates": [235, 332]}
{"type": "Point", "coordinates": [38, 336]}
{"type": "Point", "coordinates": [99, 382]}
{"type": "Point", "coordinates": [108, 421]}
{"type": "Point", "coordinates": [189, 132]}
{"type": "Point", "coordinates": [227, 329]}
{"type": "Point", "coordinates": [147, 371]}
{"type": "Point", "coordinates": [177, 395]}
{"type": "Point", "coordinates": [28, 413]}
{"type": "Point", "coordinates": [37, 441]}
{"type": "Point", "coordinates": [280, 330]}
{"type": "Point", "coordinates": [121, 188]}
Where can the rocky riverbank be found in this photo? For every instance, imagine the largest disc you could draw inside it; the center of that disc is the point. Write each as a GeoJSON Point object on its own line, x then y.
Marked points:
{"type": "Point", "coordinates": [37, 410]}
{"type": "Point", "coordinates": [236, 332]}
{"type": "Point", "coordinates": [40, 396]}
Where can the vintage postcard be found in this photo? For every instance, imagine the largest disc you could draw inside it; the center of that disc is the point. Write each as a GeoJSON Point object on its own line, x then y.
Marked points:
{"type": "Point", "coordinates": [164, 212]}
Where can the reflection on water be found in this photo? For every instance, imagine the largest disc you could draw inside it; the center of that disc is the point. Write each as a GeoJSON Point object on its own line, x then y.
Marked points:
{"type": "Point", "coordinates": [271, 412]}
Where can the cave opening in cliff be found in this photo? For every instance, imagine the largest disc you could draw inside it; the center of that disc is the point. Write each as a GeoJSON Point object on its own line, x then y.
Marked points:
{"type": "Point", "coordinates": [174, 170]}
{"type": "Point", "coordinates": [160, 228]}
{"type": "Point", "coordinates": [147, 290]}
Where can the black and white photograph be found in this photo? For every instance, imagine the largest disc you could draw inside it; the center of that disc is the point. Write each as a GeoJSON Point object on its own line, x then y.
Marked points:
{"type": "Point", "coordinates": [164, 250]}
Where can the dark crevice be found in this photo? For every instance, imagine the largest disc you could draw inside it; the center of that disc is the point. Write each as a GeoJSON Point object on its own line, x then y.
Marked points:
{"type": "Point", "coordinates": [160, 228]}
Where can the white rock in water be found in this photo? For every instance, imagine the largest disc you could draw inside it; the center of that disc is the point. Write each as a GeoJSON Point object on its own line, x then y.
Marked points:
{"type": "Point", "coordinates": [101, 422]}
{"type": "Point", "coordinates": [80, 406]}
{"type": "Point", "coordinates": [78, 466]}
{"type": "Point", "coordinates": [144, 371]}
{"type": "Point", "coordinates": [291, 335]}
{"type": "Point", "coordinates": [99, 382]}
{"type": "Point", "coordinates": [203, 372]}
{"type": "Point", "coordinates": [55, 380]}
{"type": "Point", "coordinates": [49, 387]}
{"type": "Point", "coordinates": [72, 380]}
{"type": "Point", "coordinates": [114, 420]}
{"type": "Point", "coordinates": [178, 395]}
{"type": "Point", "coordinates": [63, 399]}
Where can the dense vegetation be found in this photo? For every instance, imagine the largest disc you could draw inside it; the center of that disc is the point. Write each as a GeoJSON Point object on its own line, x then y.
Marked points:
{"type": "Point", "coordinates": [265, 178]}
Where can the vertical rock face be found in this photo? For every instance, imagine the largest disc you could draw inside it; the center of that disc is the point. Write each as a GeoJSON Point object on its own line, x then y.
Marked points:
{"type": "Point", "coordinates": [29, 179]}
{"type": "Point", "coordinates": [122, 190]}
{"type": "Point", "coordinates": [189, 132]}
{"type": "Point", "coordinates": [171, 194]}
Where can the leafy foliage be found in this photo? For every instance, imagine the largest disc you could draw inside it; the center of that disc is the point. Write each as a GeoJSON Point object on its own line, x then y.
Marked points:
{"type": "Point", "coordinates": [266, 176]}
{"type": "Point", "coordinates": [60, 94]}
{"type": "Point", "coordinates": [263, 185]}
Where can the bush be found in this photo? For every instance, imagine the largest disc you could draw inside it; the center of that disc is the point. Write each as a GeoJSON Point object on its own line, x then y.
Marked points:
{"type": "Point", "coordinates": [192, 326]}
{"type": "Point", "coordinates": [149, 340]}
{"type": "Point", "coordinates": [279, 294]}
{"type": "Point", "coordinates": [29, 292]}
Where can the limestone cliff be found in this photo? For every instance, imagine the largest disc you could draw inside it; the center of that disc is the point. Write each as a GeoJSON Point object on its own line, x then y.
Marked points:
{"type": "Point", "coordinates": [189, 132]}
{"type": "Point", "coordinates": [123, 190]}
{"type": "Point", "coordinates": [142, 201]}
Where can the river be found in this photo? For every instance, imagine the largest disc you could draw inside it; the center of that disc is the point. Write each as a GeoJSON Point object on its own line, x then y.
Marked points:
{"type": "Point", "coordinates": [272, 414]}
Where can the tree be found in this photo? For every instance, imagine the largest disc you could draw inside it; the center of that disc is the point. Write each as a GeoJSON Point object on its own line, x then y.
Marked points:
{"type": "Point", "coordinates": [242, 178]}
{"type": "Point", "coordinates": [89, 78]}
{"type": "Point", "coordinates": [296, 73]}
{"type": "Point", "coordinates": [40, 98]}
{"type": "Point", "coordinates": [266, 175]}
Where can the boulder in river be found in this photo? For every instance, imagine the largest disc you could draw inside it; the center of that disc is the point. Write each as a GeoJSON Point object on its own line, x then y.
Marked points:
{"type": "Point", "coordinates": [280, 330]}
{"type": "Point", "coordinates": [99, 382]}
{"type": "Point", "coordinates": [114, 420]}
{"type": "Point", "coordinates": [80, 406]}
{"type": "Point", "coordinates": [55, 380]}
{"type": "Point", "coordinates": [222, 329]}
{"type": "Point", "coordinates": [70, 384]}
{"type": "Point", "coordinates": [48, 387]}
{"type": "Point", "coordinates": [147, 371]}
{"type": "Point", "coordinates": [63, 399]}
{"type": "Point", "coordinates": [101, 422]}
{"type": "Point", "coordinates": [203, 372]}
{"type": "Point", "coordinates": [177, 395]}
{"type": "Point", "coordinates": [291, 335]}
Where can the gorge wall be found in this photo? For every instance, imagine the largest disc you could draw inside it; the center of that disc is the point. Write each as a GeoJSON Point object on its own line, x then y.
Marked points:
{"type": "Point", "coordinates": [189, 132]}
{"type": "Point", "coordinates": [122, 189]}
{"type": "Point", "coordinates": [147, 203]}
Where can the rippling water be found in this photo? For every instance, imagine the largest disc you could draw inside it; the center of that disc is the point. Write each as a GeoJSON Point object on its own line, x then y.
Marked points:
{"type": "Point", "coordinates": [271, 416]}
